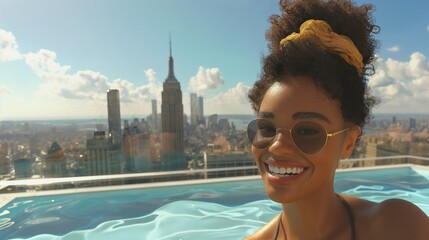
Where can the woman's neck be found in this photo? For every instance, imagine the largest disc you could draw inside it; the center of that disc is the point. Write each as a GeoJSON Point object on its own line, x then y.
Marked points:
{"type": "Point", "coordinates": [318, 216]}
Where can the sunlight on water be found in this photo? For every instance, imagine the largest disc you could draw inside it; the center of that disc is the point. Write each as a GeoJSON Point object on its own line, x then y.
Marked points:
{"type": "Point", "coordinates": [183, 220]}
{"type": "Point", "coordinates": [5, 223]}
{"type": "Point", "coordinates": [379, 194]}
{"type": "Point", "coordinates": [229, 210]}
{"type": "Point", "coordinates": [206, 220]}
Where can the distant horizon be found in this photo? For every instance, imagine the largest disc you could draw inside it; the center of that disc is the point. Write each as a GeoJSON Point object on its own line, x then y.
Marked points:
{"type": "Point", "coordinates": [131, 117]}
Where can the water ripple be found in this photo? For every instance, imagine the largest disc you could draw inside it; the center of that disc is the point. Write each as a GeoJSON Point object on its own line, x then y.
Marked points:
{"type": "Point", "coordinates": [182, 220]}
{"type": "Point", "coordinates": [214, 211]}
{"type": "Point", "coordinates": [5, 223]}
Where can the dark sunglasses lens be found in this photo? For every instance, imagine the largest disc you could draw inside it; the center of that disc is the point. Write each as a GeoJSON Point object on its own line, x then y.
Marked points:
{"type": "Point", "coordinates": [261, 133]}
{"type": "Point", "coordinates": [310, 137]}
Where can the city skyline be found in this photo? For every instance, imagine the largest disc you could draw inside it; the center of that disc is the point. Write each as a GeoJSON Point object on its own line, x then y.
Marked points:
{"type": "Point", "coordinates": [51, 61]}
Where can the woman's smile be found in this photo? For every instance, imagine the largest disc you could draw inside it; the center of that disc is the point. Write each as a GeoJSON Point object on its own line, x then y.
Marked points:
{"type": "Point", "coordinates": [281, 172]}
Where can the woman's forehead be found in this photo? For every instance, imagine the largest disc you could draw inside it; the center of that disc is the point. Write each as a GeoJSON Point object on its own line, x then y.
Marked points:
{"type": "Point", "coordinates": [299, 89]}
{"type": "Point", "coordinates": [298, 98]}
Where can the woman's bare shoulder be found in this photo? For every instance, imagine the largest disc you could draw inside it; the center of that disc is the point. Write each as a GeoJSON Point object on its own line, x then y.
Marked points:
{"type": "Point", "coordinates": [266, 232]}
{"type": "Point", "coordinates": [393, 219]}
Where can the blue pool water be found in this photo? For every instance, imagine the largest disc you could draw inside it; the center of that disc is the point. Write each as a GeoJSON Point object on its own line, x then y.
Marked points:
{"type": "Point", "coordinates": [228, 210]}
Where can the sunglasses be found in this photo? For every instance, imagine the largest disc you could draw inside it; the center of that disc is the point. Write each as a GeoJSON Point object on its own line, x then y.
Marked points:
{"type": "Point", "coordinates": [310, 137]}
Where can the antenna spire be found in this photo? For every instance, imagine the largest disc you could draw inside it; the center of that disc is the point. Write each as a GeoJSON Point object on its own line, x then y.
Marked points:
{"type": "Point", "coordinates": [170, 45]}
{"type": "Point", "coordinates": [171, 76]}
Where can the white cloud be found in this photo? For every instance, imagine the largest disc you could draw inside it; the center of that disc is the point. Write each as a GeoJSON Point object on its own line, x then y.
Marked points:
{"type": "Point", "coordinates": [131, 93]}
{"type": "Point", "coordinates": [137, 99]}
{"type": "Point", "coordinates": [380, 78]}
{"type": "Point", "coordinates": [393, 49]}
{"type": "Point", "coordinates": [8, 47]}
{"type": "Point", "coordinates": [153, 89]}
{"type": "Point", "coordinates": [44, 65]}
{"type": "Point", "coordinates": [235, 99]}
{"type": "Point", "coordinates": [59, 83]}
{"type": "Point", "coordinates": [402, 86]}
{"type": "Point", "coordinates": [62, 90]}
{"type": "Point", "coordinates": [86, 84]}
{"type": "Point", "coordinates": [150, 75]}
{"type": "Point", "coordinates": [427, 28]}
{"type": "Point", "coordinates": [87, 89]}
{"type": "Point", "coordinates": [206, 79]}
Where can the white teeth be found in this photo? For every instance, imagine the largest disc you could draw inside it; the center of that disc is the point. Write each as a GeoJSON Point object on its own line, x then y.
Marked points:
{"type": "Point", "coordinates": [284, 171]}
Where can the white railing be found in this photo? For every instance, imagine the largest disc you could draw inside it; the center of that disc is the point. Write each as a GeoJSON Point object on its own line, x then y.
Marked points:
{"type": "Point", "coordinates": [47, 181]}
{"type": "Point", "coordinates": [386, 158]}
{"type": "Point", "coordinates": [106, 180]}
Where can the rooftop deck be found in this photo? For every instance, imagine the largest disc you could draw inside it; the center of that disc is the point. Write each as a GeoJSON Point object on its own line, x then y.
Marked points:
{"type": "Point", "coordinates": [44, 186]}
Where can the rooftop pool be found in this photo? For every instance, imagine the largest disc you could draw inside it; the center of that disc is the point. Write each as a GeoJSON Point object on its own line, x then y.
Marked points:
{"type": "Point", "coordinates": [229, 208]}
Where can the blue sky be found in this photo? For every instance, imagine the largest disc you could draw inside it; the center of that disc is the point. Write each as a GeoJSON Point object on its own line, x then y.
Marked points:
{"type": "Point", "coordinates": [58, 58]}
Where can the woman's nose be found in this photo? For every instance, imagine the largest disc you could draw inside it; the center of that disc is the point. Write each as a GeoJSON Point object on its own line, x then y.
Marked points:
{"type": "Point", "coordinates": [282, 143]}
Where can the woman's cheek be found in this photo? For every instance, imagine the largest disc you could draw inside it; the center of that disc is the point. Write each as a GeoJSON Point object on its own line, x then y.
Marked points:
{"type": "Point", "coordinates": [257, 155]}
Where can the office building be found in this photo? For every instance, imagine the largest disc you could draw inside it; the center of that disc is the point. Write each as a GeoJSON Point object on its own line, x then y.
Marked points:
{"type": "Point", "coordinates": [114, 116]}
{"type": "Point", "coordinates": [194, 109]}
{"type": "Point", "coordinates": [5, 166]}
{"type": "Point", "coordinates": [136, 147]}
{"type": "Point", "coordinates": [55, 162]}
{"type": "Point", "coordinates": [172, 122]}
{"type": "Point", "coordinates": [412, 124]}
{"type": "Point", "coordinates": [197, 110]}
{"type": "Point", "coordinates": [222, 153]}
{"type": "Point", "coordinates": [201, 119]}
{"type": "Point", "coordinates": [154, 119]}
{"type": "Point", "coordinates": [376, 149]}
{"type": "Point", "coordinates": [102, 158]}
{"type": "Point", "coordinates": [23, 168]}
{"type": "Point", "coordinates": [212, 122]}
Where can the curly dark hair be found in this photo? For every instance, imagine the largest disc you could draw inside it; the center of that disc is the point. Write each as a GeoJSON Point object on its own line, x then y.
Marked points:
{"type": "Point", "coordinates": [339, 80]}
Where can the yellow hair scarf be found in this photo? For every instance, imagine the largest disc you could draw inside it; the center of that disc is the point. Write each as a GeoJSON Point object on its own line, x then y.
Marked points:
{"type": "Point", "coordinates": [334, 42]}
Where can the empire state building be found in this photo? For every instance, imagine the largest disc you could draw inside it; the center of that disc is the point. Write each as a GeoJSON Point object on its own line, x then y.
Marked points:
{"type": "Point", "coordinates": [172, 122]}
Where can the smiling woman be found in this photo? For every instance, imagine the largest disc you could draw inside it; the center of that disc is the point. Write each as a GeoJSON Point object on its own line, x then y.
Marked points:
{"type": "Point", "coordinates": [312, 102]}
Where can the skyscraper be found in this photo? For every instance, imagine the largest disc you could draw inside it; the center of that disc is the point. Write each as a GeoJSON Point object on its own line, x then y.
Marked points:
{"type": "Point", "coordinates": [154, 110]}
{"type": "Point", "coordinates": [194, 109]}
{"type": "Point", "coordinates": [197, 110]}
{"type": "Point", "coordinates": [172, 121]}
{"type": "Point", "coordinates": [101, 156]}
{"type": "Point", "coordinates": [201, 119]}
{"type": "Point", "coordinates": [136, 147]}
{"type": "Point", "coordinates": [154, 115]}
{"type": "Point", "coordinates": [114, 116]}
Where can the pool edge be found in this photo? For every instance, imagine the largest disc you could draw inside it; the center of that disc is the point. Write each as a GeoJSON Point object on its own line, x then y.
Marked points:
{"type": "Point", "coordinates": [7, 197]}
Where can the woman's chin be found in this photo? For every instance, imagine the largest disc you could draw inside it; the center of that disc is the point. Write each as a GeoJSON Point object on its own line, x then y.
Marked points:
{"type": "Point", "coordinates": [281, 196]}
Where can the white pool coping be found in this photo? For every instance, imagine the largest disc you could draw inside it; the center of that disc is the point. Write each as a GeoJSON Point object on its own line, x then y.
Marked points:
{"type": "Point", "coordinates": [7, 197]}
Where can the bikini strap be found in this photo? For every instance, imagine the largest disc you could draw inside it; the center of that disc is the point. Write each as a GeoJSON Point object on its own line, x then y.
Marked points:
{"type": "Point", "coordinates": [351, 215]}
{"type": "Point", "coordinates": [276, 233]}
